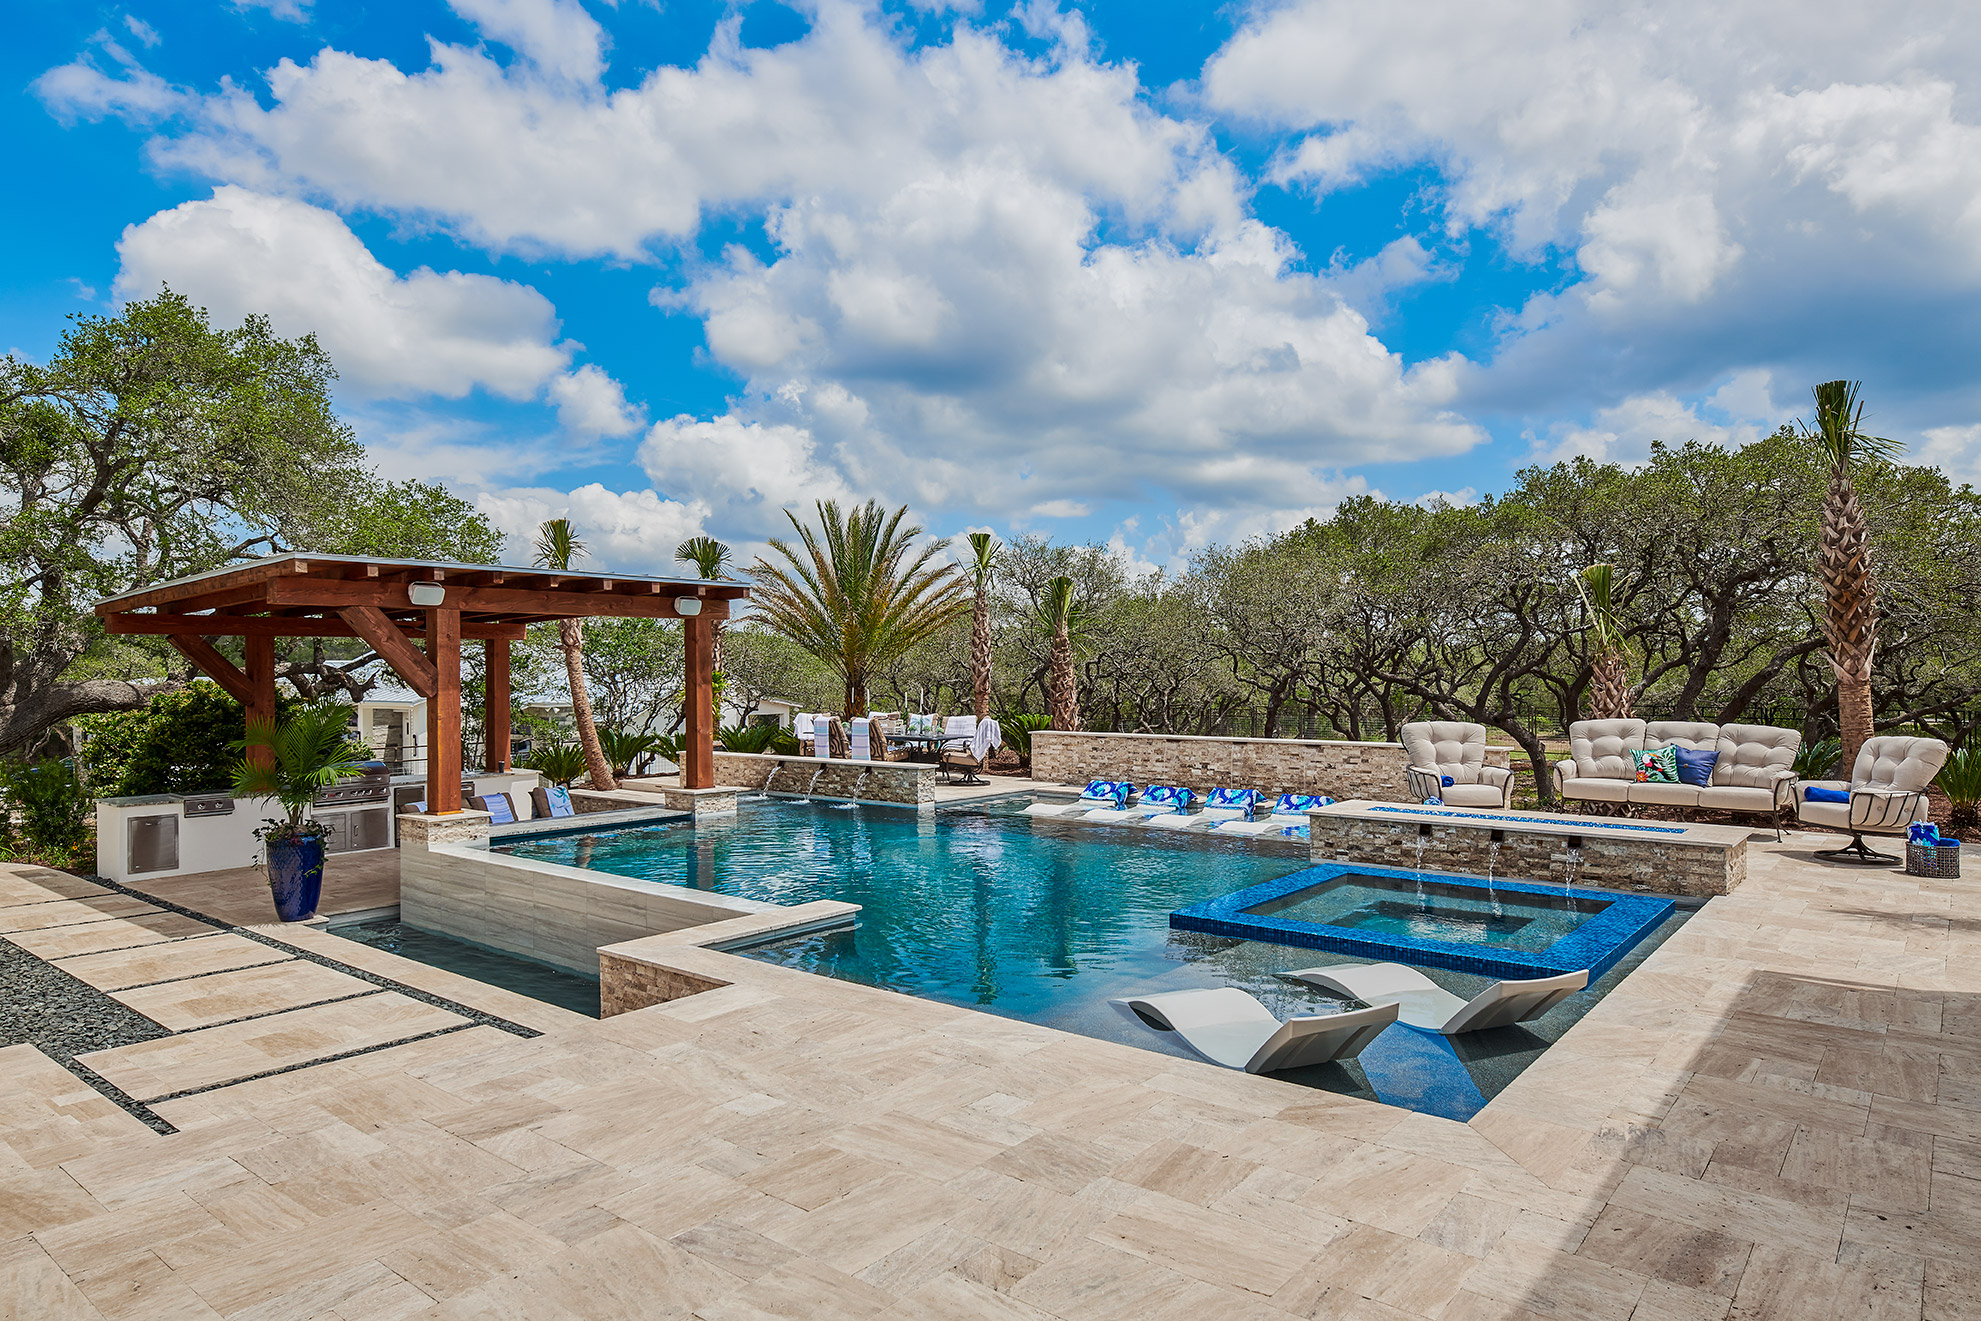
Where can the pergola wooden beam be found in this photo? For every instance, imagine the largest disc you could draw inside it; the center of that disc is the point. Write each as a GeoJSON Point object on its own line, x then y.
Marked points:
{"type": "Point", "coordinates": [218, 668]}
{"type": "Point", "coordinates": [394, 647]}
{"type": "Point", "coordinates": [561, 604]}
{"type": "Point", "coordinates": [286, 626]}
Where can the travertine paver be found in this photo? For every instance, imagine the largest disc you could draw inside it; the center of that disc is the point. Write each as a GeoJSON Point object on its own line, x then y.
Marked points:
{"type": "Point", "coordinates": [1777, 1117]}
{"type": "Point", "coordinates": [240, 1050]}
{"type": "Point", "coordinates": [109, 934]}
{"type": "Point", "coordinates": [113, 970]}
{"type": "Point", "coordinates": [221, 997]}
{"type": "Point", "coordinates": [71, 912]}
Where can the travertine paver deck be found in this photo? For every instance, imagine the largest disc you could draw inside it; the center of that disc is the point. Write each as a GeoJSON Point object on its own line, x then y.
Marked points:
{"type": "Point", "coordinates": [1778, 1116]}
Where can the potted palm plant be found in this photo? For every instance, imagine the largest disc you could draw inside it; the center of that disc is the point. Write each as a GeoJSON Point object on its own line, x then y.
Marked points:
{"type": "Point", "coordinates": [303, 755]}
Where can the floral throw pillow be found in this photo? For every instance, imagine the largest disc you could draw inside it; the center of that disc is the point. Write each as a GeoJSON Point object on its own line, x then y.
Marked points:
{"type": "Point", "coordinates": [1657, 766]}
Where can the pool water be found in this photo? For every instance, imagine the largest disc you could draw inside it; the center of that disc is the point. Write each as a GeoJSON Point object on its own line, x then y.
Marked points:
{"type": "Point", "coordinates": [1432, 910]}
{"type": "Point", "coordinates": [539, 981]}
{"type": "Point", "coordinates": [1042, 920]}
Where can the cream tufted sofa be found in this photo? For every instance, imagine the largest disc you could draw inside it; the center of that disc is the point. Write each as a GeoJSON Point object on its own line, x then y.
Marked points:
{"type": "Point", "coordinates": [1755, 771]}
{"type": "Point", "coordinates": [1455, 748]}
{"type": "Point", "coordinates": [1887, 793]}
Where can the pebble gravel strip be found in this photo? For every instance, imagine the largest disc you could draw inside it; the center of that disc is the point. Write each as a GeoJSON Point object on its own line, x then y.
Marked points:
{"type": "Point", "coordinates": [63, 1016]}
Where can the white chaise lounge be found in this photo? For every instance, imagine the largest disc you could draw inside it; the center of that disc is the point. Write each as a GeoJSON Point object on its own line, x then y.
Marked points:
{"type": "Point", "coordinates": [1156, 800]}
{"type": "Point", "coordinates": [1289, 814]}
{"type": "Point", "coordinates": [1454, 750]}
{"type": "Point", "coordinates": [1230, 1027]}
{"type": "Point", "coordinates": [1222, 805]}
{"type": "Point", "coordinates": [1097, 794]}
{"type": "Point", "coordinates": [1887, 793]}
{"type": "Point", "coordinates": [1421, 1002]}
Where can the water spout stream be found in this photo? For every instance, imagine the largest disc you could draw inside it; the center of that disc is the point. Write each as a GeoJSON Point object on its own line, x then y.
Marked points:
{"type": "Point", "coordinates": [1571, 866]}
{"type": "Point", "coordinates": [1492, 861]}
{"type": "Point", "coordinates": [1423, 838]}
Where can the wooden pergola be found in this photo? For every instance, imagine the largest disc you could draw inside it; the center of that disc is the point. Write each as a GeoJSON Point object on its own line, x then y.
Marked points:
{"type": "Point", "coordinates": [415, 614]}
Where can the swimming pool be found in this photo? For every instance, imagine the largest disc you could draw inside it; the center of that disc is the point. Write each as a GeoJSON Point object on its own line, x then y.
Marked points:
{"type": "Point", "coordinates": [978, 905]}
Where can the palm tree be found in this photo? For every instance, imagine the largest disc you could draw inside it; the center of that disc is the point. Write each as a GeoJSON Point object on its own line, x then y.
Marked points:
{"type": "Point", "coordinates": [855, 592]}
{"type": "Point", "coordinates": [557, 546]}
{"type": "Point", "coordinates": [1843, 558]}
{"type": "Point", "coordinates": [1609, 680]}
{"type": "Point", "coordinates": [710, 557]}
{"type": "Point", "coordinates": [1062, 694]}
{"type": "Point", "coordinates": [983, 554]}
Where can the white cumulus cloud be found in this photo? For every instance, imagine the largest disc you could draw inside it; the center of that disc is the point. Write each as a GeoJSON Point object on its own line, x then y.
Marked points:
{"type": "Point", "coordinates": [628, 531]}
{"type": "Point", "coordinates": [428, 332]}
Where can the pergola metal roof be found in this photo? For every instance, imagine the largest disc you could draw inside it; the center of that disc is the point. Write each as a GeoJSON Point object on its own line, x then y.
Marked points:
{"type": "Point", "coordinates": [301, 596]}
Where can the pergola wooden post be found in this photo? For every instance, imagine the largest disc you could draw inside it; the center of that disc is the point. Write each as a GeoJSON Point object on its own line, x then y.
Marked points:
{"type": "Point", "coordinates": [495, 705]}
{"type": "Point", "coordinates": [338, 596]}
{"type": "Point", "coordinates": [443, 711]}
{"type": "Point", "coordinates": [698, 704]}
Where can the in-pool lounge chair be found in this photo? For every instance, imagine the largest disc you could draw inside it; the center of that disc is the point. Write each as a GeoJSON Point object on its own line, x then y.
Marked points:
{"type": "Point", "coordinates": [1421, 1002]}
{"type": "Point", "coordinates": [1885, 795]}
{"type": "Point", "coordinates": [1098, 793]}
{"type": "Point", "coordinates": [1228, 1026]}
{"type": "Point", "coordinates": [1222, 805]}
{"type": "Point", "coordinates": [1288, 817]}
{"type": "Point", "coordinates": [1156, 800]}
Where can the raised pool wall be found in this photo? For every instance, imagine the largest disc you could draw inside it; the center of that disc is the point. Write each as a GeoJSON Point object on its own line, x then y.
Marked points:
{"type": "Point", "coordinates": [907, 783]}
{"type": "Point", "coordinates": [449, 882]}
{"type": "Point", "coordinates": [1338, 768]}
{"type": "Point", "coordinates": [1698, 862]}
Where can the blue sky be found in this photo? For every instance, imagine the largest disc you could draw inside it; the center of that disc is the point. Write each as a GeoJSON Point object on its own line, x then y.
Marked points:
{"type": "Point", "coordinates": [1154, 274]}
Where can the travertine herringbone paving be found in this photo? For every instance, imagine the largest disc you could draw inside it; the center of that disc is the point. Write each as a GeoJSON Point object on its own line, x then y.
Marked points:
{"type": "Point", "coordinates": [1778, 1116]}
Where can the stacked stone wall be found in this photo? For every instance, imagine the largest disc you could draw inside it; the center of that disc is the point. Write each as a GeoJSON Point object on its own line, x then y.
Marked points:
{"type": "Point", "coordinates": [906, 782]}
{"type": "Point", "coordinates": [1338, 768]}
{"type": "Point", "coordinates": [628, 984]}
{"type": "Point", "coordinates": [1657, 865]}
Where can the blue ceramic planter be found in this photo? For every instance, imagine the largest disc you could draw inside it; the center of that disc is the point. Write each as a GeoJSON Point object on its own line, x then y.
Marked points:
{"type": "Point", "coordinates": [295, 877]}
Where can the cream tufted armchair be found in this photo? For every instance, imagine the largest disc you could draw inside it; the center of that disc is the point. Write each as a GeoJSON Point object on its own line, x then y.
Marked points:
{"type": "Point", "coordinates": [1887, 794]}
{"type": "Point", "coordinates": [1438, 748]}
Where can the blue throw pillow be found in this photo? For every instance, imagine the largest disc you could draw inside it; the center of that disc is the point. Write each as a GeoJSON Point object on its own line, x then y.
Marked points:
{"type": "Point", "coordinates": [1695, 767]}
{"type": "Point", "coordinates": [1815, 793]}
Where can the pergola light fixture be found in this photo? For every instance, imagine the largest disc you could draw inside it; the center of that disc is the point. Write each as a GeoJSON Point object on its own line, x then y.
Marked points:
{"type": "Point", "coordinates": [687, 606]}
{"type": "Point", "coordinates": [426, 594]}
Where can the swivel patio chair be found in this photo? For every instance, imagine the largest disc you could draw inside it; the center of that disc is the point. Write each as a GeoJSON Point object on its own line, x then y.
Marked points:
{"type": "Point", "coordinates": [1453, 750]}
{"type": "Point", "coordinates": [1885, 795]}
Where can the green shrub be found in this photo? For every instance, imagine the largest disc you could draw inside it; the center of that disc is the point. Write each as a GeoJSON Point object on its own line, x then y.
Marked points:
{"type": "Point", "coordinates": [177, 743]}
{"type": "Point", "coordinates": [762, 737]}
{"type": "Point", "coordinates": [1018, 728]}
{"type": "Point", "coordinates": [47, 804]}
{"type": "Point", "coordinates": [557, 761]}
{"type": "Point", "coordinates": [1818, 760]}
{"type": "Point", "coordinates": [624, 749]}
{"type": "Point", "coordinates": [1960, 781]}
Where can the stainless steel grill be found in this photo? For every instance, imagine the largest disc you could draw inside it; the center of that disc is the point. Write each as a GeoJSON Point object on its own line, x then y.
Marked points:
{"type": "Point", "coordinates": [371, 785]}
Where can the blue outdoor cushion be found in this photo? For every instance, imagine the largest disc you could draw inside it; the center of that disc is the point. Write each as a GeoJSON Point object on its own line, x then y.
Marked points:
{"type": "Point", "coordinates": [1815, 793]}
{"type": "Point", "coordinates": [1695, 767]}
{"type": "Point", "coordinates": [1245, 799]}
{"type": "Point", "coordinates": [497, 807]}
